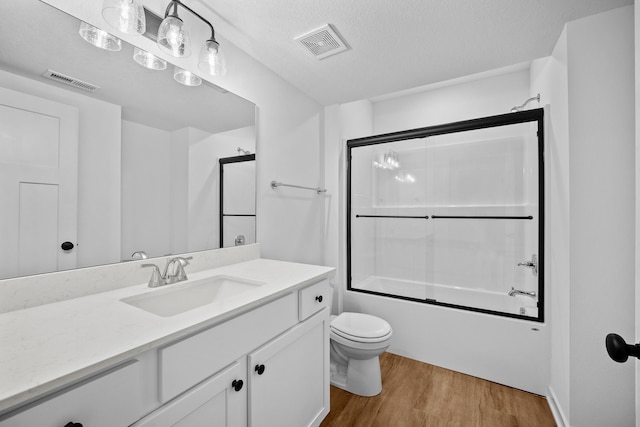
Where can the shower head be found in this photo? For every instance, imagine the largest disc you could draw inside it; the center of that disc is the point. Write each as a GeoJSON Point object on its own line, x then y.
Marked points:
{"type": "Point", "coordinates": [521, 107]}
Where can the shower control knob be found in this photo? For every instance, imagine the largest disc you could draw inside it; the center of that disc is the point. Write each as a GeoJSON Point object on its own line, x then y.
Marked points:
{"type": "Point", "coordinates": [259, 369]}
{"type": "Point", "coordinates": [619, 350]}
{"type": "Point", "coordinates": [319, 298]}
{"type": "Point", "coordinates": [237, 385]}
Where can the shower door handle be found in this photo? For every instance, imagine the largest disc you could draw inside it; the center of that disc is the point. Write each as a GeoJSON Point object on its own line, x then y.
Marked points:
{"type": "Point", "coordinates": [533, 264]}
{"type": "Point", "coordinates": [619, 350]}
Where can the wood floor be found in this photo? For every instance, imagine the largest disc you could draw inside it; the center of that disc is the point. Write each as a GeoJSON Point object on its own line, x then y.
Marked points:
{"type": "Point", "coordinates": [419, 394]}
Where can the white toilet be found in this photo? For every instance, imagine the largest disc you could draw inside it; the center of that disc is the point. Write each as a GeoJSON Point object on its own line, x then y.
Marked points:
{"type": "Point", "coordinates": [356, 342]}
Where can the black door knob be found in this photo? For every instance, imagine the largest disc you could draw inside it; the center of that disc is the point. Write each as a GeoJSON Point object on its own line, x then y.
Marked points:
{"type": "Point", "coordinates": [259, 369]}
{"type": "Point", "coordinates": [619, 350]}
{"type": "Point", "coordinates": [319, 298]}
{"type": "Point", "coordinates": [237, 385]}
{"type": "Point", "coordinates": [67, 246]}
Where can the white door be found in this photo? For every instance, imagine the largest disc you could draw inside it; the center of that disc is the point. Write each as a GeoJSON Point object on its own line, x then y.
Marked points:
{"type": "Point", "coordinates": [38, 184]}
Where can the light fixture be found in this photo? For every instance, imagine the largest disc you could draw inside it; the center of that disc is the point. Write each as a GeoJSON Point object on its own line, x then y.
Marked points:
{"type": "Point", "coordinates": [126, 16]}
{"type": "Point", "coordinates": [148, 60]}
{"type": "Point", "coordinates": [99, 38]}
{"type": "Point", "coordinates": [173, 39]}
{"type": "Point", "coordinates": [185, 77]}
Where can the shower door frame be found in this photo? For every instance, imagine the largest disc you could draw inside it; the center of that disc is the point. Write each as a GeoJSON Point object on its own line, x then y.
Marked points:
{"type": "Point", "coordinates": [225, 161]}
{"type": "Point", "coordinates": [534, 115]}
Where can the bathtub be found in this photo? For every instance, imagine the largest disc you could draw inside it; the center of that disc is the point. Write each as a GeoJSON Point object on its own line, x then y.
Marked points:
{"type": "Point", "coordinates": [464, 297]}
{"type": "Point", "coordinates": [511, 349]}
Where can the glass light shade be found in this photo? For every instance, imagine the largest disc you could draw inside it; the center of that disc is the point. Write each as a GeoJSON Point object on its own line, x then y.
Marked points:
{"type": "Point", "coordinates": [126, 16]}
{"type": "Point", "coordinates": [99, 38]}
{"type": "Point", "coordinates": [211, 59]}
{"type": "Point", "coordinates": [148, 60]}
{"type": "Point", "coordinates": [173, 38]}
{"type": "Point", "coordinates": [185, 77]}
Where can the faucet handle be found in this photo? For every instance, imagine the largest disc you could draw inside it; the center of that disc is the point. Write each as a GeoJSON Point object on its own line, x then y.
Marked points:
{"type": "Point", "coordinates": [156, 278]}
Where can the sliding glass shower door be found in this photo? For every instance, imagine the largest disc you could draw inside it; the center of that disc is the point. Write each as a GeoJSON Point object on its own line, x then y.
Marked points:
{"type": "Point", "coordinates": [451, 215]}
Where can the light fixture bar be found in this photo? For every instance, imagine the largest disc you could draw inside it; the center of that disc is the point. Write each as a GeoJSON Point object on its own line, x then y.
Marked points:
{"type": "Point", "coordinates": [176, 3]}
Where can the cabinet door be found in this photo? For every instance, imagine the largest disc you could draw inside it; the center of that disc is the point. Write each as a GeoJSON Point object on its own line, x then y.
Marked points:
{"type": "Point", "coordinates": [220, 400]}
{"type": "Point", "coordinates": [289, 377]}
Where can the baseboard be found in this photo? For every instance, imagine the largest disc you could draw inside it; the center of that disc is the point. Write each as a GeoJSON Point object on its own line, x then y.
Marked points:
{"type": "Point", "coordinates": [556, 410]}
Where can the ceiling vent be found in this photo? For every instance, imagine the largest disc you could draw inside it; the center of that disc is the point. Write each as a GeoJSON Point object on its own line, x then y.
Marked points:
{"type": "Point", "coordinates": [70, 81]}
{"type": "Point", "coordinates": [322, 42]}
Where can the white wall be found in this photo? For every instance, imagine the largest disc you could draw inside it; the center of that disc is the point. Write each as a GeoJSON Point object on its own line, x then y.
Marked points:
{"type": "Point", "coordinates": [601, 174]}
{"type": "Point", "coordinates": [146, 217]}
{"type": "Point", "coordinates": [549, 78]}
{"type": "Point", "coordinates": [476, 96]}
{"type": "Point", "coordinates": [98, 169]}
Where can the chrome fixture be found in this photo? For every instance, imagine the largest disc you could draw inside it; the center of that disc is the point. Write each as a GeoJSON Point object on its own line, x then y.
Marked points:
{"type": "Point", "coordinates": [173, 39]}
{"type": "Point", "coordinates": [276, 184]}
{"type": "Point", "coordinates": [513, 292]}
{"type": "Point", "coordinates": [139, 255]}
{"type": "Point", "coordinates": [99, 38]}
{"type": "Point", "coordinates": [239, 241]}
{"type": "Point", "coordinates": [521, 107]}
{"type": "Point", "coordinates": [126, 16]}
{"type": "Point", "coordinates": [243, 151]}
{"type": "Point", "coordinates": [533, 264]}
{"type": "Point", "coordinates": [173, 272]}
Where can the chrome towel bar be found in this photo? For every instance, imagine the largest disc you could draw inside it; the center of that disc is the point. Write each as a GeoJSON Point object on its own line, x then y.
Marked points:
{"type": "Point", "coordinates": [275, 184]}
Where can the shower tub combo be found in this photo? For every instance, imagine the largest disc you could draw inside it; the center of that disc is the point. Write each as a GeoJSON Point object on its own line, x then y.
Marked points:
{"type": "Point", "coordinates": [446, 224]}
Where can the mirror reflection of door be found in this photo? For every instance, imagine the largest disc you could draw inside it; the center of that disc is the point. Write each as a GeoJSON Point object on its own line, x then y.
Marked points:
{"type": "Point", "coordinates": [237, 200]}
{"type": "Point", "coordinates": [38, 183]}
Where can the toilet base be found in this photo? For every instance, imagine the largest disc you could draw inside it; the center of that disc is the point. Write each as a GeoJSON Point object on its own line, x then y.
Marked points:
{"type": "Point", "coordinates": [361, 377]}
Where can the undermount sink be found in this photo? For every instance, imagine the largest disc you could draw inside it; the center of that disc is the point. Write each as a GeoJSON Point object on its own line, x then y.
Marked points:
{"type": "Point", "coordinates": [192, 294]}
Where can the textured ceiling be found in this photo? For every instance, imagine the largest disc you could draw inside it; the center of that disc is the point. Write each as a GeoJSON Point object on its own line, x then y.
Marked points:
{"type": "Point", "coordinates": [395, 45]}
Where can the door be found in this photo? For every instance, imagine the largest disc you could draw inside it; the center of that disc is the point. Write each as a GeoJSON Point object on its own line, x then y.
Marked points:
{"type": "Point", "coordinates": [218, 401]}
{"type": "Point", "coordinates": [288, 377]}
{"type": "Point", "coordinates": [38, 183]}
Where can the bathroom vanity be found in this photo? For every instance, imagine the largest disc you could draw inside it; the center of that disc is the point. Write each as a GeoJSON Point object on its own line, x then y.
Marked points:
{"type": "Point", "coordinates": [257, 357]}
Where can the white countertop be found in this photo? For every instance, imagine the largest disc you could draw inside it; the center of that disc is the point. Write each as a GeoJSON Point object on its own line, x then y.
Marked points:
{"type": "Point", "coordinates": [46, 347]}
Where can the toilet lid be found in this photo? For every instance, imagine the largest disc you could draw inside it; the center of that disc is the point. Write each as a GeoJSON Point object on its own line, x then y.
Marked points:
{"type": "Point", "coordinates": [360, 325]}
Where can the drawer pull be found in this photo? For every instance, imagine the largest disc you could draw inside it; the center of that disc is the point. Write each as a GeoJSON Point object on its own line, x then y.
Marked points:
{"type": "Point", "coordinates": [72, 424]}
{"type": "Point", "coordinates": [259, 369]}
{"type": "Point", "coordinates": [237, 385]}
{"type": "Point", "coordinates": [319, 298]}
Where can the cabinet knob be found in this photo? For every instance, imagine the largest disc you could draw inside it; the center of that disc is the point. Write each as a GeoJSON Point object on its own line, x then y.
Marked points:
{"type": "Point", "coordinates": [259, 369]}
{"type": "Point", "coordinates": [237, 385]}
{"type": "Point", "coordinates": [72, 424]}
{"type": "Point", "coordinates": [319, 298]}
{"type": "Point", "coordinates": [67, 246]}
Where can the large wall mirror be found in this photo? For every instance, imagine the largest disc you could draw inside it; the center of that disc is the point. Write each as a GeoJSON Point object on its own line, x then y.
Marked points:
{"type": "Point", "coordinates": [92, 177]}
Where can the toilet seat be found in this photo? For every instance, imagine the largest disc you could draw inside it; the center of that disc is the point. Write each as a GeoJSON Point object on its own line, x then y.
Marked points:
{"type": "Point", "coordinates": [361, 327]}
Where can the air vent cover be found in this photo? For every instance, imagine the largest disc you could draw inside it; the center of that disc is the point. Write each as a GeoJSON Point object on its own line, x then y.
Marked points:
{"type": "Point", "coordinates": [70, 81]}
{"type": "Point", "coordinates": [322, 42]}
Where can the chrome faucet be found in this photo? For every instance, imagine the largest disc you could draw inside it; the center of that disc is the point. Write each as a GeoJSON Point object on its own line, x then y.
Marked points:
{"type": "Point", "coordinates": [513, 292]}
{"type": "Point", "coordinates": [173, 272]}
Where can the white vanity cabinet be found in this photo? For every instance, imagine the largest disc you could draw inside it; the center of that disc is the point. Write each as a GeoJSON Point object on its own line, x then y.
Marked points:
{"type": "Point", "coordinates": [267, 367]}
